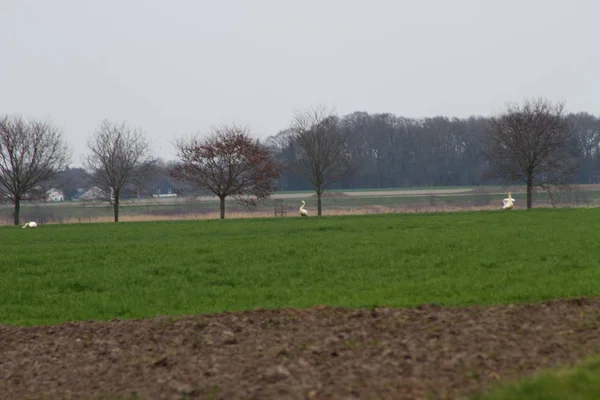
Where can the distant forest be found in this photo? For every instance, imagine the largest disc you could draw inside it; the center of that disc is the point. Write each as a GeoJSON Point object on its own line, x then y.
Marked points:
{"type": "Point", "coordinates": [394, 151]}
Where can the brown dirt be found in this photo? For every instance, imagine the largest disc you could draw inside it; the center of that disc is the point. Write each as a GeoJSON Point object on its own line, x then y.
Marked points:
{"type": "Point", "coordinates": [316, 353]}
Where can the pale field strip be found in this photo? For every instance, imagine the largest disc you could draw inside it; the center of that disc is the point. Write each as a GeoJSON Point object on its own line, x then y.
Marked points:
{"type": "Point", "coordinates": [284, 196]}
{"type": "Point", "coordinates": [327, 211]}
{"type": "Point", "coordinates": [364, 210]}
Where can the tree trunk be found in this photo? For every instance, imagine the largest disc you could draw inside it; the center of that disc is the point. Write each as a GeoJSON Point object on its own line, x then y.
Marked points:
{"type": "Point", "coordinates": [222, 205]}
{"type": "Point", "coordinates": [116, 207]}
{"type": "Point", "coordinates": [17, 219]}
{"type": "Point", "coordinates": [529, 191]}
{"type": "Point", "coordinates": [319, 206]}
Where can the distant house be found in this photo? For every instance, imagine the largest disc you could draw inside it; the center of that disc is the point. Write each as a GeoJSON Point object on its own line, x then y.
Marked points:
{"type": "Point", "coordinates": [163, 189]}
{"type": "Point", "coordinates": [78, 193]}
{"type": "Point", "coordinates": [94, 193]}
{"type": "Point", "coordinates": [55, 195]}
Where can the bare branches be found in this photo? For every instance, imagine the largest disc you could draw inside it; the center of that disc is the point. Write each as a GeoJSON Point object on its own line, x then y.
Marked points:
{"type": "Point", "coordinates": [532, 144]}
{"type": "Point", "coordinates": [229, 163]}
{"type": "Point", "coordinates": [120, 158]}
{"type": "Point", "coordinates": [322, 154]}
{"type": "Point", "coordinates": [31, 152]}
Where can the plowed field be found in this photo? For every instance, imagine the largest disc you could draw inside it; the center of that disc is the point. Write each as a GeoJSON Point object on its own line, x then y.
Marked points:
{"type": "Point", "coordinates": [317, 353]}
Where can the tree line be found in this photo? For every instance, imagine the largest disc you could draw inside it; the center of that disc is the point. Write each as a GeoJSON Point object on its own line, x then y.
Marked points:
{"type": "Point", "coordinates": [393, 151]}
{"type": "Point", "coordinates": [535, 143]}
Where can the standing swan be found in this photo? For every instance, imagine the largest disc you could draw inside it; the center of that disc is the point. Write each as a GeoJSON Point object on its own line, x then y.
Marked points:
{"type": "Point", "coordinates": [302, 211]}
{"type": "Point", "coordinates": [30, 224]}
{"type": "Point", "coordinates": [508, 203]}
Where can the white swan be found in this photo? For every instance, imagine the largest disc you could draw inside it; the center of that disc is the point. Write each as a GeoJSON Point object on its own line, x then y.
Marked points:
{"type": "Point", "coordinates": [30, 224]}
{"type": "Point", "coordinates": [302, 211]}
{"type": "Point", "coordinates": [508, 203]}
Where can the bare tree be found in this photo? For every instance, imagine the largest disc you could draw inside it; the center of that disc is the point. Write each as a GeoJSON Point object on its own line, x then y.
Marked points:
{"type": "Point", "coordinates": [531, 143]}
{"type": "Point", "coordinates": [120, 159]}
{"type": "Point", "coordinates": [322, 154]}
{"type": "Point", "coordinates": [31, 152]}
{"type": "Point", "coordinates": [228, 162]}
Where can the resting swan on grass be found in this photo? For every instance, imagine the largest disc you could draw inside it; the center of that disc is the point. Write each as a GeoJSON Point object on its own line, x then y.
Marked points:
{"type": "Point", "coordinates": [302, 211]}
{"type": "Point", "coordinates": [508, 203]}
{"type": "Point", "coordinates": [30, 224]}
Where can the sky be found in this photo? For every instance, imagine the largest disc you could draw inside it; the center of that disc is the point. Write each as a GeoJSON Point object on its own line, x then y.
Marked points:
{"type": "Point", "coordinates": [177, 68]}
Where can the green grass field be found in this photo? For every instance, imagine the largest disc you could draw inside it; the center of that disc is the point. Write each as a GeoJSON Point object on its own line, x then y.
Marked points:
{"type": "Point", "coordinates": [101, 271]}
{"type": "Point", "coordinates": [575, 382]}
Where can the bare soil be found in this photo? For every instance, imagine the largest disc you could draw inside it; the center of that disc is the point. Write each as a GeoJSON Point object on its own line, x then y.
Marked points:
{"type": "Point", "coordinates": [318, 353]}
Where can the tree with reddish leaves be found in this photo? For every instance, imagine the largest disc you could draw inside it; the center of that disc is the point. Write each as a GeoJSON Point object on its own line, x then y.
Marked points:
{"type": "Point", "coordinates": [228, 163]}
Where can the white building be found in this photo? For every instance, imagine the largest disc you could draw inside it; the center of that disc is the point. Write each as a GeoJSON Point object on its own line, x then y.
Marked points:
{"type": "Point", "coordinates": [55, 195]}
{"type": "Point", "coordinates": [94, 193]}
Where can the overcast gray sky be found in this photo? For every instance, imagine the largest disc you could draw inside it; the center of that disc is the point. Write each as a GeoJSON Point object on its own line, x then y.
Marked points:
{"type": "Point", "coordinates": [178, 67]}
